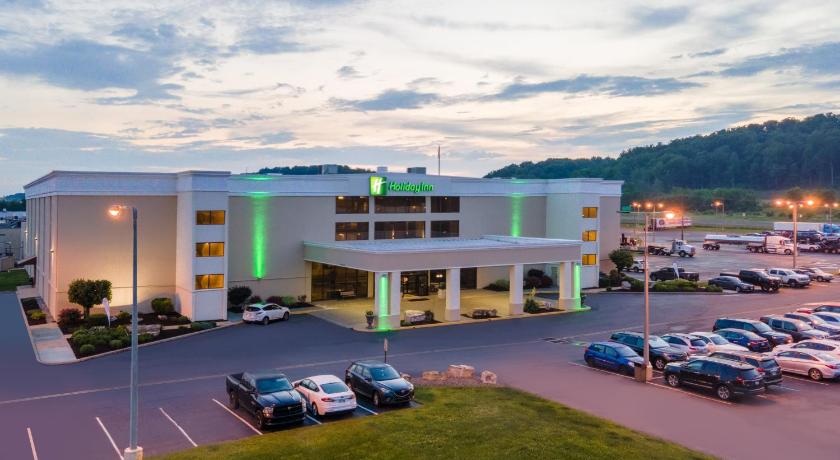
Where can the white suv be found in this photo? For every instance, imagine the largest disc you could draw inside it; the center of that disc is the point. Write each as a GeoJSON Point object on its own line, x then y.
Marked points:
{"type": "Point", "coordinates": [265, 313]}
{"type": "Point", "coordinates": [790, 277]}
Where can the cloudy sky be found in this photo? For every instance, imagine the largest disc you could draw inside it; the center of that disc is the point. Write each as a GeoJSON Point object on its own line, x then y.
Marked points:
{"type": "Point", "coordinates": [239, 85]}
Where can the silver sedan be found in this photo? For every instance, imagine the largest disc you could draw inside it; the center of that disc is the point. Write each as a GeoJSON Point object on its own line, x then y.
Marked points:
{"type": "Point", "coordinates": [687, 343]}
{"type": "Point", "coordinates": [816, 365]}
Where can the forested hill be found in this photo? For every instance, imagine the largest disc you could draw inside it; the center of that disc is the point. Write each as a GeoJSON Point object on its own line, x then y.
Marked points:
{"type": "Point", "coordinates": [770, 156]}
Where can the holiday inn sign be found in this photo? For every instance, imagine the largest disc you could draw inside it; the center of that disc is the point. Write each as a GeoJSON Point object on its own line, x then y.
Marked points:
{"type": "Point", "coordinates": [380, 186]}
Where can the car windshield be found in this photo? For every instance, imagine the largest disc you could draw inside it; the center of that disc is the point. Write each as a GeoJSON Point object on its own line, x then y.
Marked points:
{"type": "Point", "coordinates": [749, 374]}
{"type": "Point", "coordinates": [816, 319]}
{"type": "Point", "coordinates": [273, 385]}
{"type": "Point", "coordinates": [761, 327]}
{"type": "Point", "coordinates": [656, 342]}
{"type": "Point", "coordinates": [626, 352]}
{"type": "Point", "coordinates": [334, 387]}
{"type": "Point", "coordinates": [698, 343]}
{"type": "Point", "coordinates": [718, 340]}
{"type": "Point", "coordinates": [384, 373]}
{"type": "Point", "coordinates": [253, 309]}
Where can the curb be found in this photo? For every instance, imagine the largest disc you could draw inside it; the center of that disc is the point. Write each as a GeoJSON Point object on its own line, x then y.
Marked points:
{"type": "Point", "coordinates": [659, 293]}
{"type": "Point", "coordinates": [475, 321]}
{"type": "Point", "coordinates": [29, 333]}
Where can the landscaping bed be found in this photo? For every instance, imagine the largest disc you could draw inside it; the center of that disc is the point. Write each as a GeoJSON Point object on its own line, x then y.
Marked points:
{"type": "Point", "coordinates": [456, 422]}
{"type": "Point", "coordinates": [90, 341]}
{"type": "Point", "coordinates": [34, 315]}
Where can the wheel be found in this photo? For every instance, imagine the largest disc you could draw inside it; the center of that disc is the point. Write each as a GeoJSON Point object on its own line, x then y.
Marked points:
{"type": "Point", "coordinates": [793, 284]}
{"type": "Point", "coordinates": [265, 321]}
{"type": "Point", "coordinates": [260, 420]}
{"type": "Point", "coordinates": [682, 254]}
{"type": "Point", "coordinates": [723, 393]}
{"type": "Point", "coordinates": [815, 375]}
{"type": "Point", "coordinates": [286, 316]}
{"type": "Point", "coordinates": [673, 380]}
{"type": "Point", "coordinates": [765, 288]}
{"type": "Point", "coordinates": [233, 401]}
{"type": "Point", "coordinates": [659, 364]}
{"type": "Point", "coordinates": [788, 252]}
{"type": "Point", "coordinates": [737, 288]}
{"type": "Point", "coordinates": [313, 410]}
{"type": "Point", "coordinates": [589, 362]}
{"type": "Point", "coordinates": [690, 256]}
{"type": "Point", "coordinates": [376, 400]}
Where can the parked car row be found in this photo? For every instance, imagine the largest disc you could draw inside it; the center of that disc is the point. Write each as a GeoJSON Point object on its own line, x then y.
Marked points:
{"type": "Point", "coordinates": [740, 357]}
{"type": "Point", "coordinates": [275, 401]}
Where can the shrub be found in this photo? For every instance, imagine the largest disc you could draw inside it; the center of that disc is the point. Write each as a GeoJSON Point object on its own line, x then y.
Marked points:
{"type": "Point", "coordinates": [115, 344]}
{"type": "Point", "coordinates": [145, 338]}
{"type": "Point", "coordinates": [622, 258]}
{"type": "Point", "coordinates": [202, 325]}
{"type": "Point", "coordinates": [163, 306]}
{"type": "Point", "coordinates": [97, 319]}
{"type": "Point", "coordinates": [86, 349]}
{"type": "Point", "coordinates": [531, 305]}
{"type": "Point", "coordinates": [255, 299]}
{"type": "Point", "coordinates": [301, 298]}
{"type": "Point", "coordinates": [615, 278]}
{"type": "Point", "coordinates": [237, 295]}
{"type": "Point", "coordinates": [430, 315]}
{"type": "Point", "coordinates": [676, 285]}
{"type": "Point", "coordinates": [287, 300]}
{"type": "Point", "coordinates": [498, 285]}
{"type": "Point", "coordinates": [275, 299]}
{"type": "Point", "coordinates": [69, 317]}
{"type": "Point", "coordinates": [535, 272]}
{"type": "Point", "coordinates": [709, 287]}
{"type": "Point", "coordinates": [635, 285]}
{"type": "Point", "coordinates": [546, 281]}
{"type": "Point", "coordinates": [124, 316]}
{"type": "Point", "coordinates": [36, 315]}
{"type": "Point", "coordinates": [183, 320]}
{"type": "Point", "coordinates": [532, 282]}
{"type": "Point", "coordinates": [88, 293]}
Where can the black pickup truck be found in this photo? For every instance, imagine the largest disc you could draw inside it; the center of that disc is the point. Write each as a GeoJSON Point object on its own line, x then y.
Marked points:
{"type": "Point", "coordinates": [758, 277]}
{"type": "Point", "coordinates": [667, 273]}
{"type": "Point", "coordinates": [269, 396]}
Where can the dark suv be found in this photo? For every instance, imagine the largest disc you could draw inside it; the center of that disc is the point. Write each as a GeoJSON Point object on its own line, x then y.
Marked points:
{"type": "Point", "coordinates": [725, 377]}
{"type": "Point", "coordinates": [760, 278]}
{"type": "Point", "coordinates": [799, 330]}
{"type": "Point", "coordinates": [757, 327]}
{"type": "Point", "coordinates": [660, 352]}
{"type": "Point", "coordinates": [764, 364]}
{"type": "Point", "coordinates": [378, 381]}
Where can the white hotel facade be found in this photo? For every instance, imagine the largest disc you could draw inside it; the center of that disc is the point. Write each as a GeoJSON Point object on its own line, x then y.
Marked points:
{"type": "Point", "coordinates": [377, 236]}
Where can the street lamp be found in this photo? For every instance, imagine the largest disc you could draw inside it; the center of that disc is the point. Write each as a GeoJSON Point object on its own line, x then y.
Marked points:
{"type": "Point", "coordinates": [720, 204]}
{"type": "Point", "coordinates": [829, 207]}
{"type": "Point", "coordinates": [636, 206]}
{"type": "Point", "coordinates": [650, 210]}
{"type": "Point", "coordinates": [795, 206]}
{"type": "Point", "coordinates": [133, 451]}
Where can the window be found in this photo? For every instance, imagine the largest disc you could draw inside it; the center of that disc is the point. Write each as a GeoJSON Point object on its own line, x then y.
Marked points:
{"type": "Point", "coordinates": [590, 235]}
{"type": "Point", "coordinates": [209, 217]}
{"type": "Point", "coordinates": [590, 212]}
{"type": "Point", "coordinates": [444, 228]}
{"type": "Point", "coordinates": [399, 204]}
{"type": "Point", "coordinates": [210, 249]}
{"type": "Point", "coordinates": [351, 231]}
{"type": "Point", "coordinates": [611, 352]}
{"type": "Point", "coordinates": [332, 282]}
{"type": "Point", "coordinates": [351, 205]}
{"type": "Point", "coordinates": [215, 281]}
{"type": "Point", "coordinates": [446, 204]}
{"type": "Point", "coordinates": [399, 230]}
{"type": "Point", "coordinates": [589, 259]}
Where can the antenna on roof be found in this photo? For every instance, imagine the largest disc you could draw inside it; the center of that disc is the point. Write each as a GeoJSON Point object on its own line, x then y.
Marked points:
{"type": "Point", "coordinates": [438, 159]}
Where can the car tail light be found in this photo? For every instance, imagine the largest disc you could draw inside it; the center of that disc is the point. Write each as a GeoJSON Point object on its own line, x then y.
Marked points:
{"type": "Point", "coordinates": [753, 342]}
{"type": "Point", "coordinates": [760, 369]}
{"type": "Point", "coordinates": [739, 380]}
{"type": "Point", "coordinates": [327, 399]}
{"type": "Point", "coordinates": [833, 366]}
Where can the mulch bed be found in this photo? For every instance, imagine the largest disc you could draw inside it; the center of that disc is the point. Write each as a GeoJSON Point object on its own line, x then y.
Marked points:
{"type": "Point", "coordinates": [537, 311]}
{"type": "Point", "coordinates": [479, 317]}
{"type": "Point", "coordinates": [418, 323]}
{"type": "Point", "coordinates": [152, 318]}
{"type": "Point", "coordinates": [31, 304]}
{"type": "Point", "coordinates": [164, 334]}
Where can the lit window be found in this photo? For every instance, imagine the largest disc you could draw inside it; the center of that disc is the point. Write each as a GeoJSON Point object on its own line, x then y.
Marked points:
{"type": "Point", "coordinates": [215, 281]}
{"type": "Point", "coordinates": [209, 217]}
{"type": "Point", "coordinates": [590, 235]}
{"type": "Point", "coordinates": [209, 249]}
{"type": "Point", "coordinates": [590, 213]}
{"type": "Point", "coordinates": [589, 259]}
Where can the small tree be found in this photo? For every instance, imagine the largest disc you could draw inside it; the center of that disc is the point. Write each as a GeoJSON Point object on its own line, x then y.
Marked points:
{"type": "Point", "coordinates": [88, 293]}
{"type": "Point", "coordinates": [622, 258]}
{"type": "Point", "coordinates": [237, 295]}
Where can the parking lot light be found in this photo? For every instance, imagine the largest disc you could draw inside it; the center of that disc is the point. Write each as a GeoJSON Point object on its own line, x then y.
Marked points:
{"type": "Point", "coordinates": [795, 206]}
{"type": "Point", "coordinates": [647, 370]}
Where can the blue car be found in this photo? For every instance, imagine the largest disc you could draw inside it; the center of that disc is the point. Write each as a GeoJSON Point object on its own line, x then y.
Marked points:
{"type": "Point", "coordinates": [752, 341]}
{"type": "Point", "coordinates": [611, 355]}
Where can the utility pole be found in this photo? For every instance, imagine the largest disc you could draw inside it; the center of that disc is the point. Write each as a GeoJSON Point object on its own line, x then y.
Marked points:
{"type": "Point", "coordinates": [438, 159]}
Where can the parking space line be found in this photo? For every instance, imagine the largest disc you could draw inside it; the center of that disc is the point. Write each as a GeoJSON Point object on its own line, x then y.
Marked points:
{"type": "Point", "coordinates": [178, 427]}
{"type": "Point", "coordinates": [806, 380]}
{"type": "Point", "coordinates": [366, 409]}
{"type": "Point", "coordinates": [600, 370]}
{"type": "Point", "coordinates": [238, 417]}
{"type": "Point", "coordinates": [788, 388]}
{"type": "Point", "coordinates": [313, 419]}
{"type": "Point", "coordinates": [690, 394]}
{"type": "Point", "coordinates": [110, 439]}
{"type": "Point", "coordinates": [32, 443]}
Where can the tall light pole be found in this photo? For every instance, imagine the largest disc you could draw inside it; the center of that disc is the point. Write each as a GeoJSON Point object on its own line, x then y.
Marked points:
{"type": "Point", "coordinates": [829, 207]}
{"type": "Point", "coordinates": [795, 206]}
{"type": "Point", "coordinates": [133, 451]}
{"type": "Point", "coordinates": [720, 204]}
{"type": "Point", "coordinates": [637, 207]}
{"type": "Point", "coordinates": [650, 209]}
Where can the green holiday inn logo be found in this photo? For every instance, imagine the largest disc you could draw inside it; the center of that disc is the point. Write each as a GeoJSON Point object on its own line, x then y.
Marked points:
{"type": "Point", "coordinates": [380, 186]}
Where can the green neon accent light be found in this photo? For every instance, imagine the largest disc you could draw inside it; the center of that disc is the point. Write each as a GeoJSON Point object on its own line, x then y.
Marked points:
{"type": "Point", "coordinates": [259, 236]}
{"type": "Point", "coordinates": [382, 308]}
{"type": "Point", "coordinates": [576, 286]}
{"type": "Point", "coordinates": [258, 177]}
{"type": "Point", "coordinates": [380, 186]}
{"type": "Point", "coordinates": [516, 214]}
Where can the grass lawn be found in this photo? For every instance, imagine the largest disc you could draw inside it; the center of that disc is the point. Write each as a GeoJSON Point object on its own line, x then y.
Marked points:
{"type": "Point", "coordinates": [13, 278]}
{"type": "Point", "coordinates": [456, 423]}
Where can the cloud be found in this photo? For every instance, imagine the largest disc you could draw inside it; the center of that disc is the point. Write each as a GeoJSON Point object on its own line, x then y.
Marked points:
{"type": "Point", "coordinates": [348, 72]}
{"type": "Point", "coordinates": [277, 138]}
{"type": "Point", "coordinates": [391, 99]}
{"type": "Point", "coordinates": [660, 18]}
{"type": "Point", "coordinates": [609, 85]}
{"type": "Point", "coordinates": [487, 26]}
{"type": "Point", "coordinates": [818, 59]}
{"type": "Point", "coordinates": [709, 53]}
{"type": "Point", "coordinates": [268, 40]}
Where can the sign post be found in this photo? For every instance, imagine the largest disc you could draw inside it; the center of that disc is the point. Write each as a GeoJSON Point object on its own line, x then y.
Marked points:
{"type": "Point", "coordinates": [385, 347]}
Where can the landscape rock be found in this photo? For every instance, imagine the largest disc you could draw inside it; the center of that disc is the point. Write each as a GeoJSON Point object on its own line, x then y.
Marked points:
{"type": "Point", "coordinates": [407, 377]}
{"type": "Point", "coordinates": [151, 329]}
{"type": "Point", "coordinates": [432, 375]}
{"type": "Point", "coordinates": [488, 377]}
{"type": "Point", "coordinates": [460, 371]}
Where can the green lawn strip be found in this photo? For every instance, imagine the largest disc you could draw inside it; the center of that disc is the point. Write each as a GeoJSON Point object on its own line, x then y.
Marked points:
{"type": "Point", "coordinates": [11, 279]}
{"type": "Point", "coordinates": [469, 423]}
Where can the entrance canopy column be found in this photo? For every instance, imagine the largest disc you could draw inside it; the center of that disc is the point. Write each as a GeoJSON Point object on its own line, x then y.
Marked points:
{"type": "Point", "coordinates": [568, 283]}
{"type": "Point", "coordinates": [394, 295]}
{"type": "Point", "coordinates": [516, 299]}
{"type": "Point", "coordinates": [453, 294]}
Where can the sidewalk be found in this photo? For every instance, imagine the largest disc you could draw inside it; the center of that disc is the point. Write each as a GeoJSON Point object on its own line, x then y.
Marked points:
{"type": "Point", "coordinates": [47, 339]}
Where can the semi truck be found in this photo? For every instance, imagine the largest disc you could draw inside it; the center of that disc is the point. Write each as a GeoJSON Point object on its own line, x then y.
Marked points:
{"type": "Point", "coordinates": [827, 229]}
{"type": "Point", "coordinates": [675, 221]}
{"type": "Point", "coordinates": [772, 244]}
{"type": "Point", "coordinates": [679, 247]}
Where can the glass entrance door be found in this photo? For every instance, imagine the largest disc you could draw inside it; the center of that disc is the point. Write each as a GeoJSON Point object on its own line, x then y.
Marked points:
{"type": "Point", "coordinates": [415, 283]}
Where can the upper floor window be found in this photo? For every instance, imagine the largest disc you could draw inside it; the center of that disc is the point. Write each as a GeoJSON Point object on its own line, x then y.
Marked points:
{"type": "Point", "coordinates": [351, 205]}
{"type": "Point", "coordinates": [350, 231]}
{"type": "Point", "coordinates": [215, 249]}
{"type": "Point", "coordinates": [399, 204]}
{"type": "Point", "coordinates": [445, 228]}
{"type": "Point", "coordinates": [209, 217]}
{"type": "Point", "coordinates": [446, 204]}
{"type": "Point", "coordinates": [214, 281]}
{"type": "Point", "coordinates": [590, 212]}
{"type": "Point", "coordinates": [590, 235]}
{"type": "Point", "coordinates": [589, 259]}
{"type": "Point", "coordinates": [399, 230]}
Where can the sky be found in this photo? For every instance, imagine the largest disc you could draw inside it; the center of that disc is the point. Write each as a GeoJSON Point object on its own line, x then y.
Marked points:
{"type": "Point", "coordinates": [239, 85]}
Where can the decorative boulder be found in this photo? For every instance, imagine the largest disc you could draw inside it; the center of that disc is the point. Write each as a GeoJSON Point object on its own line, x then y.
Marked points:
{"type": "Point", "coordinates": [151, 329]}
{"type": "Point", "coordinates": [432, 375]}
{"type": "Point", "coordinates": [460, 371]}
{"type": "Point", "coordinates": [406, 377]}
{"type": "Point", "coordinates": [488, 377]}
